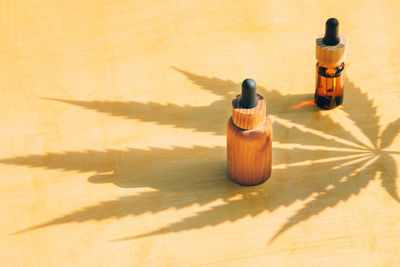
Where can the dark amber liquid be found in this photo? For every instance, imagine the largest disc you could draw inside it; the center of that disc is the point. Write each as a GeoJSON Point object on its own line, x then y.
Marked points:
{"type": "Point", "coordinates": [329, 86]}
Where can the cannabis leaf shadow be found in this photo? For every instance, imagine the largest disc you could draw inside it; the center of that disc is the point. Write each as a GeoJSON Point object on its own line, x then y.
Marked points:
{"type": "Point", "coordinates": [181, 177]}
{"type": "Point", "coordinates": [359, 108]}
{"type": "Point", "coordinates": [212, 118]}
{"type": "Point", "coordinates": [315, 159]}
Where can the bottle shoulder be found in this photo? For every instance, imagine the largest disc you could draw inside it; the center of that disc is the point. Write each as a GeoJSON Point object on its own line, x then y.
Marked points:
{"type": "Point", "coordinates": [330, 71]}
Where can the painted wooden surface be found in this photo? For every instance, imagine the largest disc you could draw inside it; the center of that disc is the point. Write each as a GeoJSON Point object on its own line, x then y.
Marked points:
{"type": "Point", "coordinates": [113, 117]}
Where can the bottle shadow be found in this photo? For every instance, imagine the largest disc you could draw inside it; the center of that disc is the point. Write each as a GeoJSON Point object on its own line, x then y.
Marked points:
{"type": "Point", "coordinates": [315, 160]}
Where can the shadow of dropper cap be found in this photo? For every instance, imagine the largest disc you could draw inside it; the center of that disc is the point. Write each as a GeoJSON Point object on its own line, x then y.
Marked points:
{"type": "Point", "coordinates": [248, 98]}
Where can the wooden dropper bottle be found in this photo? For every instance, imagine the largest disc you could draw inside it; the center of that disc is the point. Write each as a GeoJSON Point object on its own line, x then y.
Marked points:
{"type": "Point", "coordinates": [330, 54]}
{"type": "Point", "coordinates": [249, 138]}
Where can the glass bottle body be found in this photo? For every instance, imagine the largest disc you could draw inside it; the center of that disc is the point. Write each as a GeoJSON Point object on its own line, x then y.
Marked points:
{"type": "Point", "coordinates": [329, 85]}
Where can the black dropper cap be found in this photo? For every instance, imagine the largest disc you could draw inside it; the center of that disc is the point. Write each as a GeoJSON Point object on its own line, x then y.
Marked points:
{"type": "Point", "coordinates": [331, 32]}
{"type": "Point", "coordinates": [248, 98]}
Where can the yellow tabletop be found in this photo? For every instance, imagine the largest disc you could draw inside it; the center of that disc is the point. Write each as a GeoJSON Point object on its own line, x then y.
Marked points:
{"type": "Point", "coordinates": [113, 118]}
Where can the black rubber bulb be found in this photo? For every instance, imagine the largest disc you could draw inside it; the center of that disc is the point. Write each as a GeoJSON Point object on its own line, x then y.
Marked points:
{"type": "Point", "coordinates": [248, 98]}
{"type": "Point", "coordinates": [331, 32]}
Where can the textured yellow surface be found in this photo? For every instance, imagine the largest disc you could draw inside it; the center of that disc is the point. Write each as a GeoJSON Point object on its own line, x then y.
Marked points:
{"type": "Point", "coordinates": [113, 118]}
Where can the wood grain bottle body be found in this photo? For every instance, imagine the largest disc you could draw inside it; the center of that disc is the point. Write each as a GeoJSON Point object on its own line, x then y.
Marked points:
{"type": "Point", "coordinates": [249, 144]}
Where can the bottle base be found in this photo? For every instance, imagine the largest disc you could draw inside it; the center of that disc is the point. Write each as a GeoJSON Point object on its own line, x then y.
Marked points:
{"type": "Point", "coordinates": [253, 183]}
{"type": "Point", "coordinates": [326, 102]}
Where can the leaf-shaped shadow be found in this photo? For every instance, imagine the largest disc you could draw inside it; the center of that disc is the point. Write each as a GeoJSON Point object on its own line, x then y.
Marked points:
{"type": "Point", "coordinates": [312, 153]}
{"type": "Point", "coordinates": [358, 176]}
{"type": "Point", "coordinates": [269, 198]}
{"type": "Point", "coordinates": [361, 111]}
{"type": "Point", "coordinates": [390, 133]}
{"type": "Point", "coordinates": [213, 117]}
{"type": "Point", "coordinates": [293, 133]}
{"type": "Point", "coordinates": [388, 174]}
{"type": "Point", "coordinates": [168, 171]}
{"type": "Point", "coordinates": [208, 119]}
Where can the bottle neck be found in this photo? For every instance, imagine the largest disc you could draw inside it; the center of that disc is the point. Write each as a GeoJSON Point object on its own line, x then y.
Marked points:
{"type": "Point", "coordinates": [330, 67]}
{"type": "Point", "coordinates": [330, 71]}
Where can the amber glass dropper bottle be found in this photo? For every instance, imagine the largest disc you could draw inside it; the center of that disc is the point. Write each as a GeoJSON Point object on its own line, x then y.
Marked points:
{"type": "Point", "coordinates": [330, 54]}
{"type": "Point", "coordinates": [249, 138]}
